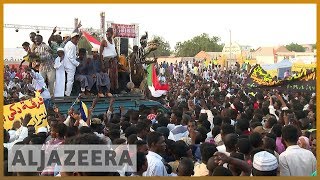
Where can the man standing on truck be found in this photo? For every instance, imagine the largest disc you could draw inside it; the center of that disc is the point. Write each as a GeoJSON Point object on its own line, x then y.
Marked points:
{"type": "Point", "coordinates": [109, 57]}
{"type": "Point", "coordinates": [70, 62]}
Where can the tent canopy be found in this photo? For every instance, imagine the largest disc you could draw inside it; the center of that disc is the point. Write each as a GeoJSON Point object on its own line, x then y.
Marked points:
{"type": "Point", "coordinates": [282, 64]}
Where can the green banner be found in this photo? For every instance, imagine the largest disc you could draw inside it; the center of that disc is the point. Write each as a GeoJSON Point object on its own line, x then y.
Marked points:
{"type": "Point", "coordinates": [301, 82]}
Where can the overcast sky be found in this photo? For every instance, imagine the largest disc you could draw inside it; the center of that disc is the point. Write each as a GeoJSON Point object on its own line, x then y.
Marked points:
{"type": "Point", "coordinates": [254, 25]}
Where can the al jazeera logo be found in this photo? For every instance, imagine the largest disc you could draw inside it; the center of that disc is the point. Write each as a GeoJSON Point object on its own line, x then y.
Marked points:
{"type": "Point", "coordinates": [81, 158]}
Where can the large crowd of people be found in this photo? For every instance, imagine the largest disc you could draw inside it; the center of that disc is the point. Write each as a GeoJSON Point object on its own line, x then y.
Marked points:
{"type": "Point", "coordinates": [216, 125]}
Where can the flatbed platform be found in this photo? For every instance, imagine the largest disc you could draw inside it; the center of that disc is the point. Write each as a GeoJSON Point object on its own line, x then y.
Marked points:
{"type": "Point", "coordinates": [128, 101]}
{"type": "Point", "coordinates": [127, 96]}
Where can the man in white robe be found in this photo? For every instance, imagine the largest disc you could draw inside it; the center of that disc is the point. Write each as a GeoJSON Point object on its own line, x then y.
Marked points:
{"type": "Point", "coordinates": [71, 63]}
{"type": "Point", "coordinates": [60, 74]}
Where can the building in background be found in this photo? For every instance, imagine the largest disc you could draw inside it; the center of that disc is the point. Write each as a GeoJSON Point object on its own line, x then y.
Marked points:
{"type": "Point", "coordinates": [13, 56]}
{"type": "Point", "coordinates": [307, 47]}
{"type": "Point", "coordinates": [239, 53]}
{"type": "Point", "coordinates": [298, 57]}
{"type": "Point", "coordinates": [268, 55]}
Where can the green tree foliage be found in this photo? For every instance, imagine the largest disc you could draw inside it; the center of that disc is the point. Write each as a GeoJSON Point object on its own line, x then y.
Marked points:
{"type": "Point", "coordinates": [163, 48]}
{"type": "Point", "coordinates": [295, 47]}
{"type": "Point", "coordinates": [314, 46]}
{"type": "Point", "coordinates": [199, 43]}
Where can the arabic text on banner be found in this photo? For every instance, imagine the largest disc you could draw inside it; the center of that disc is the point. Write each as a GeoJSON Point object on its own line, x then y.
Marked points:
{"type": "Point", "coordinates": [305, 81]}
{"type": "Point", "coordinates": [34, 106]}
{"type": "Point", "coordinates": [124, 31]}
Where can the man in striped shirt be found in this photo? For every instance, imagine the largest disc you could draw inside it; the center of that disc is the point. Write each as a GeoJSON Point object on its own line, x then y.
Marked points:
{"type": "Point", "coordinates": [46, 62]}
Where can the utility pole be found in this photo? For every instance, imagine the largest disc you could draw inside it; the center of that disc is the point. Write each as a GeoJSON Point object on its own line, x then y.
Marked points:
{"type": "Point", "coordinates": [136, 39]}
{"type": "Point", "coordinates": [76, 22]}
{"type": "Point", "coordinates": [102, 24]}
{"type": "Point", "coordinates": [230, 49]}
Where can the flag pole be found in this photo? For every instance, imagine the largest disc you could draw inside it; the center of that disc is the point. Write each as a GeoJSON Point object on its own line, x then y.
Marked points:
{"type": "Point", "coordinates": [75, 101]}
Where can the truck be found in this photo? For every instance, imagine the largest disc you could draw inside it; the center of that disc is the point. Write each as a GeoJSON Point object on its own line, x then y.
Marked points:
{"type": "Point", "coordinates": [128, 101]}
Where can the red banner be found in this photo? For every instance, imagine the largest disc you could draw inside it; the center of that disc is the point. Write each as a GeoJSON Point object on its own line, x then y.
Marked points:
{"type": "Point", "coordinates": [124, 31]}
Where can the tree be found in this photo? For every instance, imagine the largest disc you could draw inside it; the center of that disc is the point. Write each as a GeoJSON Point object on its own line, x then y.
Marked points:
{"type": "Point", "coordinates": [295, 47]}
{"type": "Point", "coordinates": [314, 46]}
{"type": "Point", "coordinates": [199, 43]}
{"type": "Point", "coordinates": [163, 48]}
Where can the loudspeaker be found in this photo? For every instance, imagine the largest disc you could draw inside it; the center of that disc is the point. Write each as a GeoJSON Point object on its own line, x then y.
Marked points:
{"type": "Point", "coordinates": [124, 43]}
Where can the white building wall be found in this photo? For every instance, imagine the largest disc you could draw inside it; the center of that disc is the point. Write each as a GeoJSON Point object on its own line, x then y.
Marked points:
{"type": "Point", "coordinates": [265, 60]}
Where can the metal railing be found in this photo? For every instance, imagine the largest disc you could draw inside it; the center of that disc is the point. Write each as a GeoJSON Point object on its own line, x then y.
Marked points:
{"type": "Point", "coordinates": [20, 26]}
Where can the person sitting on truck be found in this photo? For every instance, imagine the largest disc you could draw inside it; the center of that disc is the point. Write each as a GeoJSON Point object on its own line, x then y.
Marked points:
{"type": "Point", "coordinates": [102, 79]}
{"type": "Point", "coordinates": [81, 75]}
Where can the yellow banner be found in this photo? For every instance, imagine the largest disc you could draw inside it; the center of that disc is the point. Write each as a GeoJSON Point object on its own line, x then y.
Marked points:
{"type": "Point", "coordinates": [250, 61]}
{"type": "Point", "coordinates": [299, 66]}
{"type": "Point", "coordinates": [207, 62]}
{"type": "Point", "coordinates": [34, 106]}
{"type": "Point", "coordinates": [272, 72]}
{"type": "Point", "coordinates": [215, 62]}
